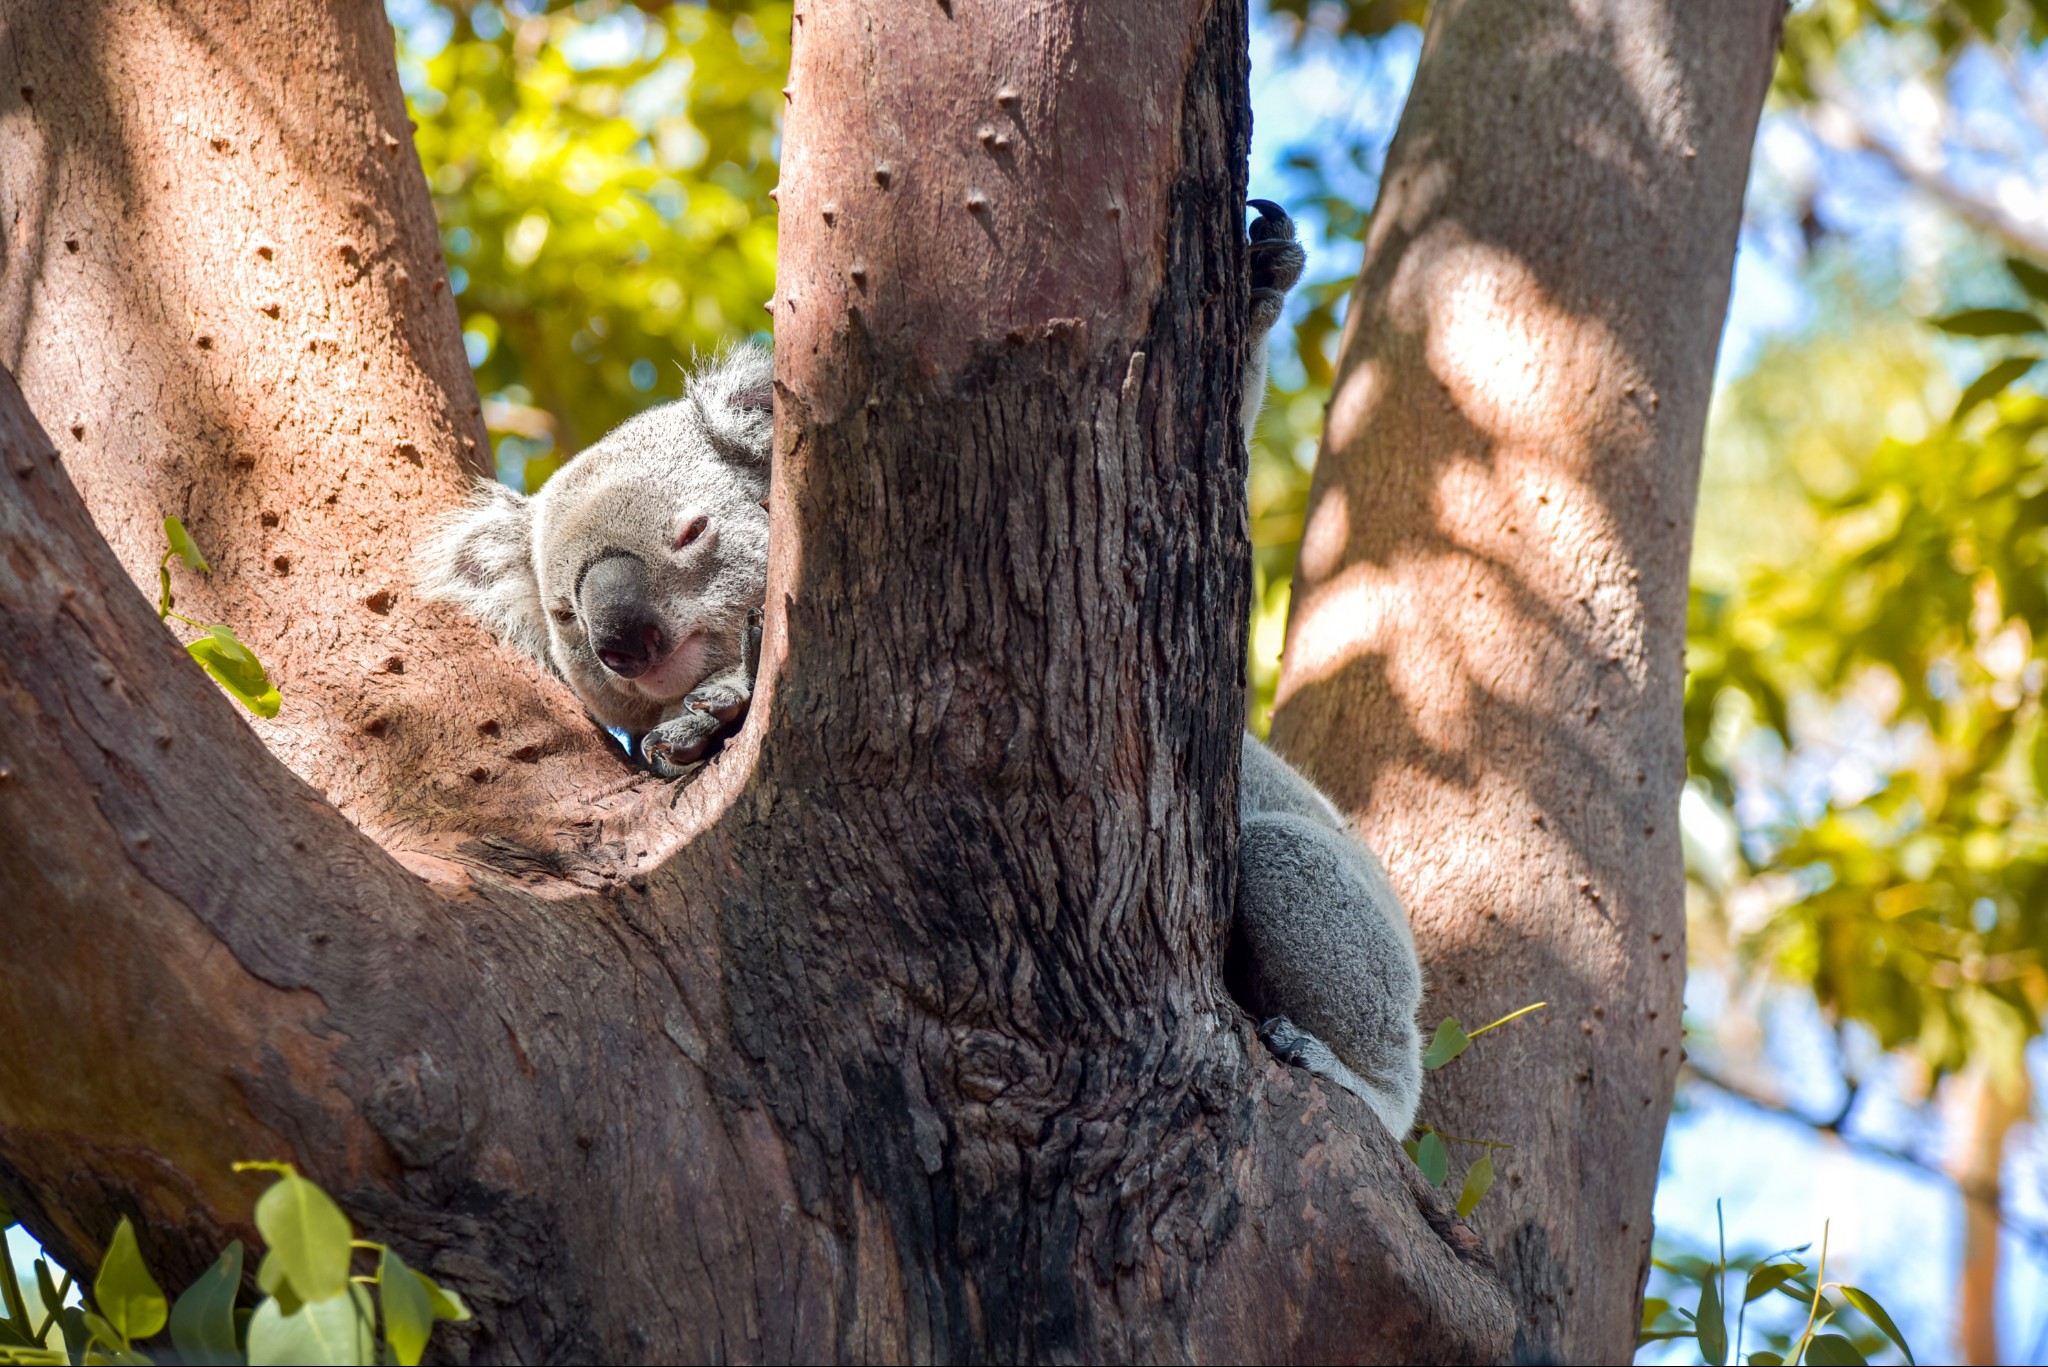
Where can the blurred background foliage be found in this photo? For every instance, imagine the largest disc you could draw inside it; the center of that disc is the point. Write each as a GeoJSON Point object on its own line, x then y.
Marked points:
{"type": "Point", "coordinates": [602, 173]}
{"type": "Point", "coordinates": [1867, 818]}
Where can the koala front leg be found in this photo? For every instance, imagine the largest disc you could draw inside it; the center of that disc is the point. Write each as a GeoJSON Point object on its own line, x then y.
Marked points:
{"type": "Point", "coordinates": [713, 710]}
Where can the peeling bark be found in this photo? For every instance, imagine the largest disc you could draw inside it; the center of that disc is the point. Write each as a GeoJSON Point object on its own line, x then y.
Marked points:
{"type": "Point", "coordinates": [900, 1032]}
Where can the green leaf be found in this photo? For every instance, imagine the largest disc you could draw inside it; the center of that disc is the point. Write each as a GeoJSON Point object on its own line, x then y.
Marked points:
{"type": "Point", "coordinates": [2032, 278]}
{"type": "Point", "coordinates": [308, 1237]}
{"type": "Point", "coordinates": [1765, 1278]}
{"type": "Point", "coordinates": [1451, 1041]}
{"type": "Point", "coordinates": [334, 1330]}
{"type": "Point", "coordinates": [1832, 1350]}
{"type": "Point", "coordinates": [1875, 1313]}
{"type": "Point", "coordinates": [203, 1320]}
{"type": "Point", "coordinates": [1991, 384]}
{"type": "Point", "coordinates": [1989, 323]}
{"type": "Point", "coordinates": [1766, 1358]}
{"type": "Point", "coordinates": [1410, 1147]}
{"type": "Point", "coordinates": [34, 1357]}
{"type": "Point", "coordinates": [52, 1295]}
{"type": "Point", "coordinates": [124, 1293]}
{"type": "Point", "coordinates": [408, 1310]}
{"type": "Point", "coordinates": [1713, 1326]}
{"type": "Point", "coordinates": [235, 667]}
{"type": "Point", "coordinates": [1478, 1180]}
{"type": "Point", "coordinates": [1433, 1160]}
{"type": "Point", "coordinates": [447, 1305]}
{"type": "Point", "coordinates": [181, 542]}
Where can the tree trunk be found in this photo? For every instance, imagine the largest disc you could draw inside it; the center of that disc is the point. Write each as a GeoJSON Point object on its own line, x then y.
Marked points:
{"type": "Point", "coordinates": [1984, 1112]}
{"type": "Point", "coordinates": [899, 1032]}
{"type": "Point", "coordinates": [1485, 655]}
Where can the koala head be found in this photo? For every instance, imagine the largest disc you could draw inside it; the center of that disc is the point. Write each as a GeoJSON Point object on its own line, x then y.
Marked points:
{"type": "Point", "coordinates": [631, 573]}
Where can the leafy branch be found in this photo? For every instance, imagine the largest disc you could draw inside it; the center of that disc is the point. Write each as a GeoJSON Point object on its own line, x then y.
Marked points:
{"type": "Point", "coordinates": [315, 1308]}
{"type": "Point", "coordinates": [1429, 1152]}
{"type": "Point", "coordinates": [233, 665]}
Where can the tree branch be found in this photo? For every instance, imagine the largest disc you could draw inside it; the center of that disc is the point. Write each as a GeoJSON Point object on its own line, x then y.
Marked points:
{"type": "Point", "coordinates": [1837, 121]}
{"type": "Point", "coordinates": [1834, 1127]}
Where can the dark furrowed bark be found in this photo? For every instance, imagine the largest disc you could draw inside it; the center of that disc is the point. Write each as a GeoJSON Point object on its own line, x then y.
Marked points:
{"type": "Point", "coordinates": [898, 1032]}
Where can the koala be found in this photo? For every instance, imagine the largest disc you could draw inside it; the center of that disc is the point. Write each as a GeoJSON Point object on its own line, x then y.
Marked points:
{"type": "Point", "coordinates": [637, 576]}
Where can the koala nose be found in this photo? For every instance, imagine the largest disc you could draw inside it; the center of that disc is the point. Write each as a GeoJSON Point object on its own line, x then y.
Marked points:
{"type": "Point", "coordinates": [632, 653]}
{"type": "Point", "coordinates": [624, 628]}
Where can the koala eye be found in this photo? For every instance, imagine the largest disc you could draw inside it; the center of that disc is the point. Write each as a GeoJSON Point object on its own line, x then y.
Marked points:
{"type": "Point", "coordinates": [566, 616]}
{"type": "Point", "coordinates": [691, 530]}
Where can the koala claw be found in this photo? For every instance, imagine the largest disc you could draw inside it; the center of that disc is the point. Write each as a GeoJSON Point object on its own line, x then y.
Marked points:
{"type": "Point", "coordinates": [675, 748]}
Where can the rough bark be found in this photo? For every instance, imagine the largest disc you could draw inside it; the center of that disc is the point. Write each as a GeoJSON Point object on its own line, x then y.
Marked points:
{"type": "Point", "coordinates": [900, 1032]}
{"type": "Point", "coordinates": [1485, 656]}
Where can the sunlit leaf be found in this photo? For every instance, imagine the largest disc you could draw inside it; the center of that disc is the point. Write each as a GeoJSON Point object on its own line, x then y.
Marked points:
{"type": "Point", "coordinates": [447, 1305]}
{"type": "Point", "coordinates": [308, 1237]}
{"type": "Point", "coordinates": [235, 667]}
{"type": "Point", "coordinates": [334, 1330]}
{"type": "Point", "coordinates": [181, 542]}
{"type": "Point", "coordinates": [203, 1320]}
{"type": "Point", "coordinates": [124, 1293]}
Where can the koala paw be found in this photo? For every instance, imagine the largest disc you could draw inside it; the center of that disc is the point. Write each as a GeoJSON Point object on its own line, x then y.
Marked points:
{"type": "Point", "coordinates": [1277, 261]}
{"type": "Point", "coordinates": [710, 714]}
{"type": "Point", "coordinates": [1289, 1042]}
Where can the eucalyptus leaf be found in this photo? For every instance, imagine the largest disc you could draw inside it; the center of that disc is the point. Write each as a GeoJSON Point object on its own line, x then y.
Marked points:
{"type": "Point", "coordinates": [236, 668]}
{"type": "Point", "coordinates": [331, 1332]}
{"type": "Point", "coordinates": [1765, 1278]}
{"type": "Point", "coordinates": [1766, 1358]}
{"type": "Point", "coordinates": [1451, 1041]}
{"type": "Point", "coordinates": [1991, 384]}
{"type": "Point", "coordinates": [203, 1320]}
{"type": "Point", "coordinates": [2033, 279]}
{"type": "Point", "coordinates": [124, 1293]}
{"type": "Point", "coordinates": [1478, 1181]}
{"type": "Point", "coordinates": [308, 1237]}
{"type": "Point", "coordinates": [1875, 1313]}
{"type": "Point", "coordinates": [1989, 323]}
{"type": "Point", "coordinates": [1832, 1350]}
{"type": "Point", "coordinates": [181, 542]}
{"type": "Point", "coordinates": [408, 1309]}
{"type": "Point", "coordinates": [447, 1305]}
{"type": "Point", "coordinates": [1713, 1324]}
{"type": "Point", "coordinates": [1433, 1160]}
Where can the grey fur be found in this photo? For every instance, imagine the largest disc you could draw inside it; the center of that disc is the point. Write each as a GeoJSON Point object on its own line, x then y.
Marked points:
{"type": "Point", "coordinates": [1320, 949]}
{"type": "Point", "coordinates": [518, 563]}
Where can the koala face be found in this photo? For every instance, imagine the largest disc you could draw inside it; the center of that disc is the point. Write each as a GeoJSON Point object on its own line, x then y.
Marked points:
{"type": "Point", "coordinates": [631, 573]}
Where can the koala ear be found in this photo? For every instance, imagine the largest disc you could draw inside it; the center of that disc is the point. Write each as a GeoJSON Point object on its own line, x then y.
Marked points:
{"type": "Point", "coordinates": [481, 560]}
{"type": "Point", "coordinates": [735, 397]}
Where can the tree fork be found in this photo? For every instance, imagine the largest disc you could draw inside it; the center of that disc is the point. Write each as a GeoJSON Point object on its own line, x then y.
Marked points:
{"type": "Point", "coordinates": [898, 1032]}
{"type": "Point", "coordinates": [1485, 652]}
